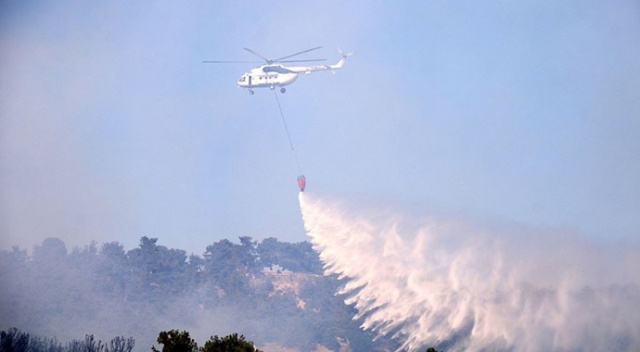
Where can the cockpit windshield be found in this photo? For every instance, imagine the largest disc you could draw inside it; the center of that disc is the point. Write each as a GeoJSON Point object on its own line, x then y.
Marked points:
{"type": "Point", "coordinates": [242, 79]}
{"type": "Point", "coordinates": [275, 68]}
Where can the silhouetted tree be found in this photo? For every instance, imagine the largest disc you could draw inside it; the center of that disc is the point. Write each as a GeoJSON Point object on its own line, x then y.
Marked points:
{"type": "Point", "coordinates": [38, 344]}
{"type": "Point", "coordinates": [229, 343]}
{"type": "Point", "coordinates": [176, 341]}
{"type": "Point", "coordinates": [88, 345]}
{"type": "Point", "coordinates": [13, 341]}
{"type": "Point", "coordinates": [121, 344]}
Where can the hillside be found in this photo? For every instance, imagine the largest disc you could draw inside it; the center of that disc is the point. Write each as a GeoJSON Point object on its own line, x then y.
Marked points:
{"type": "Point", "coordinates": [272, 292]}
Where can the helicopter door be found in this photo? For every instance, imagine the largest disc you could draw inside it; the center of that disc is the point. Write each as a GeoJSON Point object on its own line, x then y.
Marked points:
{"type": "Point", "coordinates": [249, 80]}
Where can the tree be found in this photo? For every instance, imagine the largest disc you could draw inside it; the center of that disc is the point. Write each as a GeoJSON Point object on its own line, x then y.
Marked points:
{"type": "Point", "coordinates": [51, 249]}
{"type": "Point", "coordinates": [121, 344]}
{"type": "Point", "coordinates": [248, 253]}
{"type": "Point", "coordinates": [13, 341]}
{"type": "Point", "coordinates": [113, 269]}
{"type": "Point", "coordinates": [298, 257]}
{"type": "Point", "coordinates": [158, 272]}
{"type": "Point", "coordinates": [230, 265]}
{"type": "Point", "coordinates": [88, 345]}
{"type": "Point", "coordinates": [229, 343]}
{"type": "Point", "coordinates": [176, 341]}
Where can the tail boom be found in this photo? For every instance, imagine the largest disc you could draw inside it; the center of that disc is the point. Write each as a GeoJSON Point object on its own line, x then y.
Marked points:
{"type": "Point", "coordinates": [309, 69]}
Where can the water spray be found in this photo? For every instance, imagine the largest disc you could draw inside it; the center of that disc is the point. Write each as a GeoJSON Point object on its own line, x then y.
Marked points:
{"type": "Point", "coordinates": [440, 282]}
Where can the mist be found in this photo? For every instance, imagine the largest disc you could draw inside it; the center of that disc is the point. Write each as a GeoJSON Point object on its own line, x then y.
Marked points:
{"type": "Point", "coordinates": [272, 292]}
{"type": "Point", "coordinates": [473, 286]}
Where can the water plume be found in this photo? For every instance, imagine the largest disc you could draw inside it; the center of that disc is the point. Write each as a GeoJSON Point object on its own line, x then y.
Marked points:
{"type": "Point", "coordinates": [429, 280]}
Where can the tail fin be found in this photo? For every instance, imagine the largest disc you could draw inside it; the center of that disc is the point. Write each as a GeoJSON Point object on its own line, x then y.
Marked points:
{"type": "Point", "coordinates": [342, 60]}
{"type": "Point", "coordinates": [345, 55]}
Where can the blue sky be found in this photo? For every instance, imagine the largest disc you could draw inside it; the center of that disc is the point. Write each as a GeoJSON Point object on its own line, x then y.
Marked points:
{"type": "Point", "coordinates": [111, 128]}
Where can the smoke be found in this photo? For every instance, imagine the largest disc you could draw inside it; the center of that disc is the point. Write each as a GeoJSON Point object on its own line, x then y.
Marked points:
{"type": "Point", "coordinates": [464, 286]}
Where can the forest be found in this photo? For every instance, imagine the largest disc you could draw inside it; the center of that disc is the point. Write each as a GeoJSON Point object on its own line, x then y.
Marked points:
{"type": "Point", "coordinates": [273, 292]}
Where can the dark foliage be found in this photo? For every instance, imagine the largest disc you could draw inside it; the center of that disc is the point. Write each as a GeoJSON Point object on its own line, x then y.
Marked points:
{"type": "Point", "coordinates": [229, 343]}
{"type": "Point", "coordinates": [176, 341]}
{"type": "Point", "coordinates": [13, 341]}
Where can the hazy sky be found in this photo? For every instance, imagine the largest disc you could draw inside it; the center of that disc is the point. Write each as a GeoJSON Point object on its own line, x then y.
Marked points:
{"type": "Point", "coordinates": [111, 128]}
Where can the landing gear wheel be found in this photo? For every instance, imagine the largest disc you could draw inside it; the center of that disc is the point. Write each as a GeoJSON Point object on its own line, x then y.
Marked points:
{"type": "Point", "coordinates": [282, 90]}
{"type": "Point", "coordinates": [251, 92]}
{"type": "Point", "coordinates": [272, 87]}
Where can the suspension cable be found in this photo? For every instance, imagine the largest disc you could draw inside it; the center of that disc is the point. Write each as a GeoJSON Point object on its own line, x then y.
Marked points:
{"type": "Point", "coordinates": [286, 129]}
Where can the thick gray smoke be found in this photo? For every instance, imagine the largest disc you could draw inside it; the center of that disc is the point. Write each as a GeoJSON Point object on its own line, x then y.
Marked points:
{"type": "Point", "coordinates": [435, 281]}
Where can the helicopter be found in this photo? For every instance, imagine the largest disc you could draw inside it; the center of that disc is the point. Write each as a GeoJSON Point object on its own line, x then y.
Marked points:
{"type": "Point", "coordinates": [274, 74]}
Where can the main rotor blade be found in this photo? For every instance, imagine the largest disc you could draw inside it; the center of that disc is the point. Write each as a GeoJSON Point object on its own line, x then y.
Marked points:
{"type": "Point", "coordinates": [302, 52]}
{"type": "Point", "coordinates": [258, 55]}
{"type": "Point", "coordinates": [310, 60]}
{"type": "Point", "coordinates": [232, 62]}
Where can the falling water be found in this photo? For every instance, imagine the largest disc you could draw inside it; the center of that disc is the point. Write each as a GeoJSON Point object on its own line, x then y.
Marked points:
{"type": "Point", "coordinates": [434, 281]}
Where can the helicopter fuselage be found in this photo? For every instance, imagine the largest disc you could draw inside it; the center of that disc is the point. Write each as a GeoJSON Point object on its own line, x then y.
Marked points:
{"type": "Point", "coordinates": [267, 76]}
{"type": "Point", "coordinates": [277, 75]}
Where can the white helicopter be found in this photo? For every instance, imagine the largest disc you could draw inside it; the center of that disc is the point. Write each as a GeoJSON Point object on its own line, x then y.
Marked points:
{"type": "Point", "coordinates": [274, 74]}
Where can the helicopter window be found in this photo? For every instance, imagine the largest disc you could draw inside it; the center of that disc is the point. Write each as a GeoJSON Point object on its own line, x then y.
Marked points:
{"type": "Point", "coordinates": [278, 69]}
{"type": "Point", "coordinates": [242, 78]}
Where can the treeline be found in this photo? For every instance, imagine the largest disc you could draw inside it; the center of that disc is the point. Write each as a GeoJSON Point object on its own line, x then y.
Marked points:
{"type": "Point", "coordinates": [14, 340]}
{"type": "Point", "coordinates": [273, 291]}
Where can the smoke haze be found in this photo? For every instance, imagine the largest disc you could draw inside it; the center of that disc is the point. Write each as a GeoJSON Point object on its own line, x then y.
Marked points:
{"type": "Point", "coordinates": [429, 280]}
{"type": "Point", "coordinates": [272, 292]}
{"type": "Point", "coordinates": [111, 128]}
